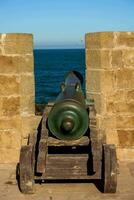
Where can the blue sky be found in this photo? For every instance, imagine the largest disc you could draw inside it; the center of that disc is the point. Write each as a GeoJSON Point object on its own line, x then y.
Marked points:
{"type": "Point", "coordinates": [63, 23]}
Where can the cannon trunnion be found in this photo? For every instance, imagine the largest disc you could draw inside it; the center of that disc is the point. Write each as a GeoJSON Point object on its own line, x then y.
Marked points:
{"type": "Point", "coordinates": [67, 145]}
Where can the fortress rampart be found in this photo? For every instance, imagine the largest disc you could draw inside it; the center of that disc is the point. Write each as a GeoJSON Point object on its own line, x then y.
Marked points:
{"type": "Point", "coordinates": [17, 95]}
{"type": "Point", "coordinates": [109, 80]}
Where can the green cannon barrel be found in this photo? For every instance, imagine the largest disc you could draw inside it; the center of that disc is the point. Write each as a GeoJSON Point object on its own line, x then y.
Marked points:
{"type": "Point", "coordinates": [68, 118]}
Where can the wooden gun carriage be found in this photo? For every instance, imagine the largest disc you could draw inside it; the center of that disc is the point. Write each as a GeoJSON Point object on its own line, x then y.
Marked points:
{"type": "Point", "coordinates": [59, 151]}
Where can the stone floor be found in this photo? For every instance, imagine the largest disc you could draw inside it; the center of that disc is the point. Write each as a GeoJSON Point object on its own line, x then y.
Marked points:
{"type": "Point", "coordinates": [70, 191]}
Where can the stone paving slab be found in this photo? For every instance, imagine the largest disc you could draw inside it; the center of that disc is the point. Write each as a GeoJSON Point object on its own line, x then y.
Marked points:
{"type": "Point", "coordinates": [67, 191]}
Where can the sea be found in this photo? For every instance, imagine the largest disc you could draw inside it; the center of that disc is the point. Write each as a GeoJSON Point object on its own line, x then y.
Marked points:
{"type": "Point", "coordinates": [50, 69]}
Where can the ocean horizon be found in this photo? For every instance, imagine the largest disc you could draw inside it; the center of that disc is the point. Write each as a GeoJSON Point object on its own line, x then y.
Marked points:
{"type": "Point", "coordinates": [50, 68]}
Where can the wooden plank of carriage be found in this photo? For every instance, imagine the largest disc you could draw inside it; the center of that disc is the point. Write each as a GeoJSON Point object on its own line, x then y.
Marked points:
{"type": "Point", "coordinates": [84, 141]}
{"type": "Point", "coordinates": [43, 147]}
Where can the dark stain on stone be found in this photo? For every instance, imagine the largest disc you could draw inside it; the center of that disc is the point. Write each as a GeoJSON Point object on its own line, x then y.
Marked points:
{"type": "Point", "coordinates": [9, 183]}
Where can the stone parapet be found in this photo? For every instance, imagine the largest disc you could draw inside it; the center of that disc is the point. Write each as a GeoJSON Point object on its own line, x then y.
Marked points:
{"type": "Point", "coordinates": [17, 98]}
{"type": "Point", "coordinates": [110, 81]}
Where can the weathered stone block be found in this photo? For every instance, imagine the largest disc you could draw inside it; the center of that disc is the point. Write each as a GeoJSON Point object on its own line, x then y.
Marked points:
{"type": "Point", "coordinates": [105, 59]}
{"type": "Point", "coordinates": [18, 43]}
{"type": "Point", "coordinates": [9, 85]}
{"type": "Point", "coordinates": [128, 58]}
{"type": "Point", "coordinates": [26, 64]}
{"type": "Point", "coordinates": [93, 80]}
{"type": "Point", "coordinates": [124, 78]}
{"type": "Point", "coordinates": [27, 105]}
{"type": "Point", "coordinates": [9, 64]}
{"type": "Point", "coordinates": [0, 43]}
{"type": "Point", "coordinates": [107, 81]}
{"type": "Point", "coordinates": [117, 95]}
{"type": "Point", "coordinates": [110, 107]}
{"type": "Point", "coordinates": [117, 61]}
{"type": "Point", "coordinates": [98, 59]}
{"type": "Point", "coordinates": [21, 47]}
{"type": "Point", "coordinates": [126, 137]}
{"type": "Point", "coordinates": [0, 51]}
{"type": "Point", "coordinates": [130, 95]}
{"type": "Point", "coordinates": [124, 122]}
{"type": "Point", "coordinates": [93, 59]}
{"type": "Point", "coordinates": [10, 139]}
{"type": "Point", "coordinates": [125, 153]}
{"type": "Point", "coordinates": [11, 106]}
{"type": "Point", "coordinates": [99, 40]}
{"type": "Point", "coordinates": [27, 85]}
{"type": "Point", "coordinates": [92, 41]}
{"type": "Point", "coordinates": [112, 136]}
{"type": "Point", "coordinates": [30, 125]}
{"type": "Point", "coordinates": [125, 39]}
{"type": "Point", "coordinates": [1, 101]}
{"type": "Point", "coordinates": [13, 123]}
{"type": "Point", "coordinates": [18, 37]}
{"type": "Point", "coordinates": [16, 64]}
{"type": "Point", "coordinates": [108, 122]}
{"type": "Point", "coordinates": [122, 107]}
{"type": "Point", "coordinates": [9, 155]}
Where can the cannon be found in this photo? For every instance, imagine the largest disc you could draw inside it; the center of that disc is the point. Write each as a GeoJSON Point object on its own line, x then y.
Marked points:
{"type": "Point", "coordinates": [67, 144]}
{"type": "Point", "coordinates": [73, 120]}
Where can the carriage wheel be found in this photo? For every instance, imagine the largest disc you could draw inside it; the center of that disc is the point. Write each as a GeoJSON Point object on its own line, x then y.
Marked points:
{"type": "Point", "coordinates": [109, 169]}
{"type": "Point", "coordinates": [26, 169]}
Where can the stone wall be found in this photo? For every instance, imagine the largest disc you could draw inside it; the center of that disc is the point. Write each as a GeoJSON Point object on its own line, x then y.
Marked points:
{"type": "Point", "coordinates": [17, 105]}
{"type": "Point", "coordinates": [110, 81]}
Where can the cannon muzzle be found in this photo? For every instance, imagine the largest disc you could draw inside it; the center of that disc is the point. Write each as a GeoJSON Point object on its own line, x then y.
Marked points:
{"type": "Point", "coordinates": [68, 118]}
